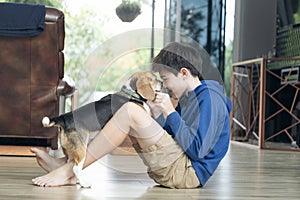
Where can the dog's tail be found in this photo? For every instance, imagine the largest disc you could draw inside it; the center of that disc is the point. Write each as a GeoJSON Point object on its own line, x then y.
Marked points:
{"type": "Point", "coordinates": [47, 122]}
{"type": "Point", "coordinates": [50, 122]}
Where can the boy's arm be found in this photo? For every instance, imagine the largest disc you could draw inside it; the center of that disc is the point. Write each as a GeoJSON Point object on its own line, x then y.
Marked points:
{"type": "Point", "coordinates": [200, 129]}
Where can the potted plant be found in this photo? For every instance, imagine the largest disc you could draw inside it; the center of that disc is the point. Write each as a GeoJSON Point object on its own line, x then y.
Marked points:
{"type": "Point", "coordinates": [127, 11]}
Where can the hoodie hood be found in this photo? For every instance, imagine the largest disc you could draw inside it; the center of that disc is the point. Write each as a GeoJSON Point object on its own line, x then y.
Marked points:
{"type": "Point", "coordinates": [214, 87]}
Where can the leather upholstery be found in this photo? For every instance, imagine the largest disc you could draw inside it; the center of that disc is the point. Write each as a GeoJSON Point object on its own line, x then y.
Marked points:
{"type": "Point", "coordinates": [31, 78]}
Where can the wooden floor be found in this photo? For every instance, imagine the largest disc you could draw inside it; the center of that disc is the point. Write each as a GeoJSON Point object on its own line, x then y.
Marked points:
{"type": "Point", "coordinates": [245, 173]}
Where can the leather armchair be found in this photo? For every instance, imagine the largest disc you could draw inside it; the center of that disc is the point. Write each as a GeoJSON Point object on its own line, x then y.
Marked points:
{"type": "Point", "coordinates": [32, 81]}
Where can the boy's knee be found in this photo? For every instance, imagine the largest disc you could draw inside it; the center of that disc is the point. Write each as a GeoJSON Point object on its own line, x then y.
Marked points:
{"type": "Point", "coordinates": [129, 105]}
{"type": "Point", "coordinates": [132, 109]}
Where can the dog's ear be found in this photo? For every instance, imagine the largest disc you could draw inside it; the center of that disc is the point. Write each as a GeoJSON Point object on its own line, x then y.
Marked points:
{"type": "Point", "coordinates": [145, 89]}
{"type": "Point", "coordinates": [132, 83]}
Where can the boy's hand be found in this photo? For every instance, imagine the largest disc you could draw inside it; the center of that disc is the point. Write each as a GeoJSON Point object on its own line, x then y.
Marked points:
{"type": "Point", "coordinates": [161, 104]}
{"type": "Point", "coordinates": [155, 110]}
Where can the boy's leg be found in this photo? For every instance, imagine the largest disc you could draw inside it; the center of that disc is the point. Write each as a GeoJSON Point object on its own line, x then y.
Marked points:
{"type": "Point", "coordinates": [167, 163]}
{"type": "Point", "coordinates": [46, 161]}
{"type": "Point", "coordinates": [129, 117]}
{"type": "Point", "coordinates": [58, 177]}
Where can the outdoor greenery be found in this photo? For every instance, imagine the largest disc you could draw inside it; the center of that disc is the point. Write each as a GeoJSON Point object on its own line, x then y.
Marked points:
{"type": "Point", "coordinates": [90, 58]}
{"type": "Point", "coordinates": [296, 11]}
{"type": "Point", "coordinates": [54, 3]}
{"type": "Point", "coordinates": [80, 37]}
{"type": "Point", "coordinates": [83, 37]}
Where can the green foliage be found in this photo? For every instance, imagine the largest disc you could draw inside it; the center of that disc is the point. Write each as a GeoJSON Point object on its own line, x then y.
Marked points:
{"type": "Point", "coordinates": [127, 11]}
{"type": "Point", "coordinates": [53, 3]}
{"type": "Point", "coordinates": [84, 36]}
{"type": "Point", "coordinates": [130, 6]}
{"type": "Point", "coordinates": [296, 11]}
{"type": "Point", "coordinates": [297, 18]}
{"type": "Point", "coordinates": [190, 22]}
{"type": "Point", "coordinates": [121, 69]}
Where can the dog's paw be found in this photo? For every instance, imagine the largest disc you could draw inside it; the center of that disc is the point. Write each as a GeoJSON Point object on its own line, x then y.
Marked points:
{"type": "Point", "coordinates": [46, 121]}
{"type": "Point", "coordinates": [84, 184]}
{"type": "Point", "coordinates": [79, 175]}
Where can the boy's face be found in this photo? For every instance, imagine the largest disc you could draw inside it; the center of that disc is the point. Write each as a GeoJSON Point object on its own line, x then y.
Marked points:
{"type": "Point", "coordinates": [175, 84]}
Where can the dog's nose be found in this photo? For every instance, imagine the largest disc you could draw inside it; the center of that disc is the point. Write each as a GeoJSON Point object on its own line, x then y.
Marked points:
{"type": "Point", "coordinates": [158, 85]}
{"type": "Point", "coordinates": [160, 88]}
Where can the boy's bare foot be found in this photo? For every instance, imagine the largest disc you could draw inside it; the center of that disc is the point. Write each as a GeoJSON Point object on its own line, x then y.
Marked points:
{"type": "Point", "coordinates": [58, 177]}
{"type": "Point", "coordinates": [47, 162]}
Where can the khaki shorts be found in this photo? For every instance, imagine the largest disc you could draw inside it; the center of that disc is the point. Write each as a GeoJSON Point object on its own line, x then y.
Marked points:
{"type": "Point", "coordinates": [168, 165]}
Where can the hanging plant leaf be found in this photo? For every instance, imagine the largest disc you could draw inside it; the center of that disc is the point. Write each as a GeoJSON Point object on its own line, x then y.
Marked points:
{"type": "Point", "coordinates": [127, 11]}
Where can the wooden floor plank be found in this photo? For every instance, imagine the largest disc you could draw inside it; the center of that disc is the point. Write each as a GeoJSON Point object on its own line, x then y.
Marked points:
{"type": "Point", "coordinates": [245, 173]}
{"type": "Point", "coordinates": [7, 150]}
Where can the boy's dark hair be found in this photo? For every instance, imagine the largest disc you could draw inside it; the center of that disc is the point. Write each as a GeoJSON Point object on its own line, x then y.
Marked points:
{"type": "Point", "coordinates": [175, 56]}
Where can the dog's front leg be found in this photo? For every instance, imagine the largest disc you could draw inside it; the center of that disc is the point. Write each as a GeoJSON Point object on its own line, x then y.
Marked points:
{"type": "Point", "coordinates": [77, 169]}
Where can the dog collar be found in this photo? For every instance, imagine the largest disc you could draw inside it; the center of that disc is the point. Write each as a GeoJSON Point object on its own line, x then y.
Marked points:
{"type": "Point", "coordinates": [131, 94]}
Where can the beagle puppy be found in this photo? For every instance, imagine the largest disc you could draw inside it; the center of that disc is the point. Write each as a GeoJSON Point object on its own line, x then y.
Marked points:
{"type": "Point", "coordinates": [76, 126]}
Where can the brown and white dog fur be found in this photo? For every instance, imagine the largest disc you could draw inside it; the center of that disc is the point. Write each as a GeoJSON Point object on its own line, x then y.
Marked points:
{"type": "Point", "coordinates": [76, 126]}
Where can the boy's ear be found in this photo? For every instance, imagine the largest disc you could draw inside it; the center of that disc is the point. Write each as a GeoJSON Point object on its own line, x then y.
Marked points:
{"type": "Point", "coordinates": [184, 71]}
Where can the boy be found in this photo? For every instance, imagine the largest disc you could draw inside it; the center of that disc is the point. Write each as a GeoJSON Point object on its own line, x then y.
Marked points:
{"type": "Point", "coordinates": [181, 146]}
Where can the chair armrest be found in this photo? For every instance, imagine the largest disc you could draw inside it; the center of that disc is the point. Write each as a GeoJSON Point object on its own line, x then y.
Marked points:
{"type": "Point", "coordinates": [66, 87]}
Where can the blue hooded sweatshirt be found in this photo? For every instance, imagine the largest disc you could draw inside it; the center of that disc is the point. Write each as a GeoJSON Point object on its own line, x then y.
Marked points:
{"type": "Point", "coordinates": [201, 126]}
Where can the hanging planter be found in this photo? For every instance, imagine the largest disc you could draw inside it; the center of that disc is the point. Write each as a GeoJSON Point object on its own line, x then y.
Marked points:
{"type": "Point", "coordinates": [127, 11]}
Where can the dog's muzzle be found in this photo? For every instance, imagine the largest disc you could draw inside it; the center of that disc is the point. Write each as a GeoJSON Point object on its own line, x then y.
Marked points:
{"type": "Point", "coordinates": [159, 87]}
